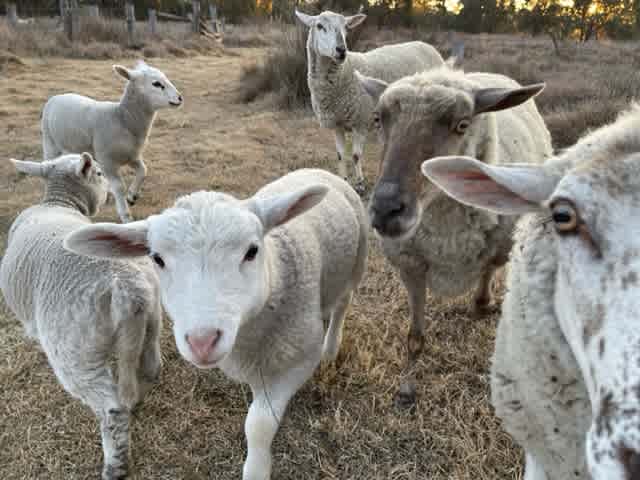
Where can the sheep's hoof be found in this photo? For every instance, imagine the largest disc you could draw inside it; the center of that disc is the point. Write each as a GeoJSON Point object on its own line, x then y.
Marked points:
{"type": "Point", "coordinates": [405, 398]}
{"type": "Point", "coordinates": [132, 199]}
{"type": "Point", "coordinates": [115, 472]}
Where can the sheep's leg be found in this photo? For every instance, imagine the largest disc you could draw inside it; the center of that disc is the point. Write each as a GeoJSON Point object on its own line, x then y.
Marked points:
{"type": "Point", "coordinates": [341, 147]}
{"type": "Point", "coordinates": [91, 381]}
{"type": "Point", "coordinates": [532, 469]}
{"type": "Point", "coordinates": [117, 188]}
{"type": "Point", "coordinates": [359, 140]}
{"type": "Point", "coordinates": [134, 189]}
{"type": "Point", "coordinates": [270, 400]}
{"type": "Point", "coordinates": [482, 296]}
{"type": "Point", "coordinates": [151, 361]}
{"type": "Point", "coordinates": [415, 282]}
{"type": "Point", "coordinates": [333, 337]}
{"type": "Point", "coordinates": [130, 342]}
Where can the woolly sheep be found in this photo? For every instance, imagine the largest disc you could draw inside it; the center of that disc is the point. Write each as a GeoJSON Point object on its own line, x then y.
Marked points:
{"type": "Point", "coordinates": [337, 98]}
{"type": "Point", "coordinates": [249, 284]}
{"type": "Point", "coordinates": [435, 242]}
{"type": "Point", "coordinates": [80, 310]}
{"type": "Point", "coordinates": [115, 133]}
{"type": "Point", "coordinates": [566, 372]}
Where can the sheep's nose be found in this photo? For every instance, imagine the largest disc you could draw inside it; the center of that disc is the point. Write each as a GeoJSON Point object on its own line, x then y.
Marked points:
{"type": "Point", "coordinates": [631, 462]}
{"type": "Point", "coordinates": [180, 98]}
{"type": "Point", "coordinates": [203, 344]}
{"type": "Point", "coordinates": [341, 51]}
{"type": "Point", "coordinates": [386, 205]}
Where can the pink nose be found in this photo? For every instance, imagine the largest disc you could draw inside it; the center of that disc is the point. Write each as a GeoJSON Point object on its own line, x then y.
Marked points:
{"type": "Point", "coordinates": [203, 344]}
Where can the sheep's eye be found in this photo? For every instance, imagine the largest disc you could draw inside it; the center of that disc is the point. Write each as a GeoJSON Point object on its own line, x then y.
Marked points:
{"type": "Point", "coordinates": [564, 217]}
{"type": "Point", "coordinates": [99, 173]}
{"type": "Point", "coordinates": [251, 253]}
{"type": "Point", "coordinates": [376, 119]}
{"type": "Point", "coordinates": [320, 27]}
{"type": "Point", "coordinates": [462, 125]}
{"type": "Point", "coordinates": [157, 259]}
{"type": "Point", "coordinates": [158, 85]}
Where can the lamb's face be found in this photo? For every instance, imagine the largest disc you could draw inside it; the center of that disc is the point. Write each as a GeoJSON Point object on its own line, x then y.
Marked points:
{"type": "Point", "coordinates": [414, 124]}
{"type": "Point", "coordinates": [328, 33]}
{"type": "Point", "coordinates": [591, 212]}
{"type": "Point", "coordinates": [156, 87]}
{"type": "Point", "coordinates": [210, 259]}
{"type": "Point", "coordinates": [597, 301]}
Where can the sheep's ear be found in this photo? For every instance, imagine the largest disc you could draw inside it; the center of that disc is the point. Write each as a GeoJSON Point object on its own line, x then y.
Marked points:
{"type": "Point", "coordinates": [109, 240]}
{"type": "Point", "coordinates": [511, 189]}
{"type": "Point", "coordinates": [32, 168]}
{"type": "Point", "coordinates": [124, 72]}
{"type": "Point", "coordinates": [494, 99]}
{"type": "Point", "coordinates": [308, 20]}
{"type": "Point", "coordinates": [84, 165]}
{"type": "Point", "coordinates": [372, 86]}
{"type": "Point", "coordinates": [355, 20]}
{"type": "Point", "coordinates": [279, 209]}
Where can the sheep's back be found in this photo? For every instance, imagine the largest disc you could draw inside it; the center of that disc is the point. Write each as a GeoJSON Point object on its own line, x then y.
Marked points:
{"type": "Point", "coordinates": [51, 289]}
{"type": "Point", "coordinates": [392, 62]}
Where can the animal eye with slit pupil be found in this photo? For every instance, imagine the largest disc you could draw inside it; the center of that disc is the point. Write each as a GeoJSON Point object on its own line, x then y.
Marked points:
{"type": "Point", "coordinates": [158, 85]}
{"type": "Point", "coordinates": [251, 253]}
{"type": "Point", "coordinates": [157, 260]}
{"type": "Point", "coordinates": [462, 126]}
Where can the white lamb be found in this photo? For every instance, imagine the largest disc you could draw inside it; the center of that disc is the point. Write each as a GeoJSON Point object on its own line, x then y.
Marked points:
{"type": "Point", "coordinates": [565, 378]}
{"type": "Point", "coordinates": [338, 100]}
{"type": "Point", "coordinates": [434, 241]}
{"type": "Point", "coordinates": [81, 310]}
{"type": "Point", "coordinates": [115, 133]}
{"type": "Point", "coordinates": [249, 283]}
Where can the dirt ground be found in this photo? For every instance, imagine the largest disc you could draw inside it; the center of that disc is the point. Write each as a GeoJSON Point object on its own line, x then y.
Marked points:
{"type": "Point", "coordinates": [342, 424]}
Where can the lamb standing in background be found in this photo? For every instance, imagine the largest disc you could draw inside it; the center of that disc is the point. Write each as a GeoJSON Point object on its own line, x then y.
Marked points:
{"type": "Point", "coordinates": [83, 310]}
{"type": "Point", "coordinates": [566, 368]}
{"type": "Point", "coordinates": [338, 101]}
{"type": "Point", "coordinates": [434, 241]}
{"type": "Point", "coordinates": [248, 285]}
{"type": "Point", "coordinates": [115, 133]}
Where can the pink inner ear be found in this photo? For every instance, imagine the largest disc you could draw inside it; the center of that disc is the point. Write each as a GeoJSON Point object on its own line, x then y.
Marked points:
{"type": "Point", "coordinates": [122, 245]}
{"type": "Point", "coordinates": [477, 185]}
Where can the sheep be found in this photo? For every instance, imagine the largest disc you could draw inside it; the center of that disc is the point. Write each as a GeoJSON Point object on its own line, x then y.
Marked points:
{"type": "Point", "coordinates": [337, 99]}
{"type": "Point", "coordinates": [249, 284]}
{"type": "Point", "coordinates": [115, 133]}
{"type": "Point", "coordinates": [565, 372]}
{"type": "Point", "coordinates": [433, 241]}
{"type": "Point", "coordinates": [80, 310]}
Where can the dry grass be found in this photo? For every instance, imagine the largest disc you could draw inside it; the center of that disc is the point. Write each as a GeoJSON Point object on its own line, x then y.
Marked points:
{"type": "Point", "coordinates": [342, 424]}
{"type": "Point", "coordinates": [102, 38]}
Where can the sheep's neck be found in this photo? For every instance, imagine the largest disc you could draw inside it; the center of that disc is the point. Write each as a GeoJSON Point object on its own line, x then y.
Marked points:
{"type": "Point", "coordinates": [62, 195]}
{"type": "Point", "coordinates": [136, 112]}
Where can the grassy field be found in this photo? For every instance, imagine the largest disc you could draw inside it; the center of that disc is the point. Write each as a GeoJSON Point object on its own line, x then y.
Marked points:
{"type": "Point", "coordinates": [342, 424]}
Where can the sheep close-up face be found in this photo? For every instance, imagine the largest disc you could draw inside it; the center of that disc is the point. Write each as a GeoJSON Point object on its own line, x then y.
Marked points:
{"type": "Point", "coordinates": [210, 256]}
{"type": "Point", "coordinates": [151, 84]}
{"type": "Point", "coordinates": [418, 118]}
{"type": "Point", "coordinates": [589, 215]}
{"type": "Point", "coordinates": [328, 33]}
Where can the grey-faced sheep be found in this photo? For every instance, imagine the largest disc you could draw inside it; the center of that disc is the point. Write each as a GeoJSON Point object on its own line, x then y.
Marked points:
{"type": "Point", "coordinates": [435, 242]}
{"type": "Point", "coordinates": [338, 100]}
{"type": "Point", "coordinates": [566, 368]}
{"type": "Point", "coordinates": [249, 284]}
{"type": "Point", "coordinates": [83, 311]}
{"type": "Point", "coordinates": [115, 132]}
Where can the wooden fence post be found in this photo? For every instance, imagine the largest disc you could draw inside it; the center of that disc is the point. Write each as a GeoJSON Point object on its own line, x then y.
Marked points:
{"type": "Point", "coordinates": [196, 15]}
{"type": "Point", "coordinates": [92, 11]}
{"type": "Point", "coordinates": [12, 14]}
{"type": "Point", "coordinates": [213, 13]}
{"type": "Point", "coordinates": [130, 14]}
{"type": "Point", "coordinates": [67, 18]}
{"type": "Point", "coordinates": [153, 21]}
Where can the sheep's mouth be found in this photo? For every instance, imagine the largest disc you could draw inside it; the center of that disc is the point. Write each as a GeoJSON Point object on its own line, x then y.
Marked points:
{"type": "Point", "coordinates": [175, 104]}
